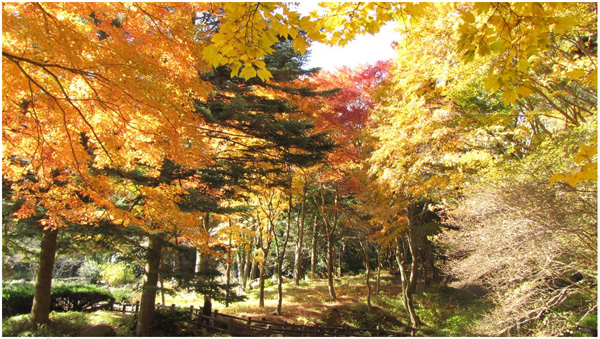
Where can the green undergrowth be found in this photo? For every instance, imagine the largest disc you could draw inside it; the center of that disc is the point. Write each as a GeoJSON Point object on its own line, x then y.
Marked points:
{"type": "Point", "coordinates": [66, 324]}
{"type": "Point", "coordinates": [450, 312]}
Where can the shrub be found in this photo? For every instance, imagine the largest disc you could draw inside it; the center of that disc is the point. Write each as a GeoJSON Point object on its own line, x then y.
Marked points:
{"type": "Point", "coordinates": [18, 299]}
{"type": "Point", "coordinates": [90, 271]}
{"type": "Point", "coordinates": [78, 297]}
{"type": "Point", "coordinates": [169, 320]}
{"type": "Point", "coordinates": [117, 274]}
{"type": "Point", "coordinates": [123, 294]}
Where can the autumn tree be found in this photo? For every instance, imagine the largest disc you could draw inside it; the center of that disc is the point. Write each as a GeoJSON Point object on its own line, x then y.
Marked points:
{"type": "Point", "coordinates": [79, 75]}
{"type": "Point", "coordinates": [451, 123]}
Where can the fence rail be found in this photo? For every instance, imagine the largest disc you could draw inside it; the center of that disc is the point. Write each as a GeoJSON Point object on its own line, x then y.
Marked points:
{"type": "Point", "coordinates": [257, 326]}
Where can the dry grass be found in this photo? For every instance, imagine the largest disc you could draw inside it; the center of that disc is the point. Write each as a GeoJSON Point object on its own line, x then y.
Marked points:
{"type": "Point", "coordinates": [307, 304]}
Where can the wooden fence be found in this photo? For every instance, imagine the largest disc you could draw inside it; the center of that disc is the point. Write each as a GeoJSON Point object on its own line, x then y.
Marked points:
{"type": "Point", "coordinates": [259, 326]}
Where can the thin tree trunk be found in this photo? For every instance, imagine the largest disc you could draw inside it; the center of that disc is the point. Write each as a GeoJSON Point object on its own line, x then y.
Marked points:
{"type": "Point", "coordinates": [369, 287]}
{"type": "Point", "coordinates": [263, 266]}
{"type": "Point", "coordinates": [313, 253]}
{"type": "Point", "coordinates": [162, 281]}
{"type": "Point", "coordinates": [198, 261]}
{"type": "Point", "coordinates": [298, 256]}
{"type": "Point", "coordinates": [414, 273]}
{"type": "Point", "coordinates": [378, 271]}
{"type": "Point", "coordinates": [162, 290]}
{"type": "Point", "coordinates": [365, 257]}
{"type": "Point", "coordinates": [342, 252]}
{"type": "Point", "coordinates": [228, 275]}
{"type": "Point", "coordinates": [281, 255]}
{"type": "Point", "coordinates": [147, 304]}
{"type": "Point", "coordinates": [247, 267]}
{"type": "Point", "coordinates": [40, 311]}
{"type": "Point", "coordinates": [261, 293]}
{"type": "Point", "coordinates": [241, 256]}
{"type": "Point", "coordinates": [402, 247]}
{"type": "Point", "coordinates": [253, 271]}
{"type": "Point", "coordinates": [330, 259]}
{"type": "Point", "coordinates": [329, 231]}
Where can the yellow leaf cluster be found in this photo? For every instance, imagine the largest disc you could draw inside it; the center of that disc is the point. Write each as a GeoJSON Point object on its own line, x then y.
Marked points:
{"type": "Point", "coordinates": [587, 169]}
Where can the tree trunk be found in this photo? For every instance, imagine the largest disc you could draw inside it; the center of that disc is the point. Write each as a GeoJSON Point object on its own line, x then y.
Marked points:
{"type": "Point", "coordinates": [263, 268]}
{"type": "Point", "coordinates": [162, 281]}
{"type": "Point", "coordinates": [40, 312]}
{"type": "Point", "coordinates": [228, 274]}
{"type": "Point", "coordinates": [281, 255]}
{"type": "Point", "coordinates": [342, 252]}
{"type": "Point", "coordinates": [368, 286]}
{"type": "Point", "coordinates": [313, 253]}
{"type": "Point", "coordinates": [330, 259]}
{"type": "Point", "coordinates": [298, 256]}
{"type": "Point", "coordinates": [329, 231]}
{"type": "Point", "coordinates": [254, 271]}
{"type": "Point", "coordinates": [261, 293]}
{"type": "Point", "coordinates": [162, 289]}
{"type": "Point", "coordinates": [147, 304]}
{"type": "Point", "coordinates": [198, 261]}
{"type": "Point", "coordinates": [378, 271]}
{"type": "Point", "coordinates": [402, 248]}
{"type": "Point", "coordinates": [242, 262]}
{"type": "Point", "coordinates": [365, 257]}
{"type": "Point", "coordinates": [247, 267]}
{"type": "Point", "coordinates": [414, 273]}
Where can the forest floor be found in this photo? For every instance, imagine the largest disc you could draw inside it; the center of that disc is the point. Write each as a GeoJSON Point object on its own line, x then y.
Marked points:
{"type": "Point", "coordinates": [443, 312]}
{"type": "Point", "coordinates": [306, 304]}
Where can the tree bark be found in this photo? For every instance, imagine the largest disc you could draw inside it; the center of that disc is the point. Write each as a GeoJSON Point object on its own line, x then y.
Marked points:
{"type": "Point", "coordinates": [330, 259]}
{"type": "Point", "coordinates": [341, 257]}
{"type": "Point", "coordinates": [378, 271]}
{"type": "Point", "coordinates": [263, 267]}
{"type": "Point", "coordinates": [253, 271]}
{"type": "Point", "coordinates": [329, 231]}
{"type": "Point", "coordinates": [313, 252]}
{"type": "Point", "coordinates": [402, 250]}
{"type": "Point", "coordinates": [281, 255]}
{"type": "Point", "coordinates": [40, 312]}
{"type": "Point", "coordinates": [147, 304]}
{"type": "Point", "coordinates": [365, 257]}
{"type": "Point", "coordinates": [298, 254]}
{"type": "Point", "coordinates": [228, 274]}
{"type": "Point", "coordinates": [261, 293]}
{"type": "Point", "coordinates": [247, 267]}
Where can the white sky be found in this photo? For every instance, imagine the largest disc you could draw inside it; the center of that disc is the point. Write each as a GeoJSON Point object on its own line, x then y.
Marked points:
{"type": "Point", "coordinates": [364, 49]}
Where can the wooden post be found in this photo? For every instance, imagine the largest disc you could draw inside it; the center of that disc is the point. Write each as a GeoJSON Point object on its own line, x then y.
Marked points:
{"type": "Point", "coordinates": [199, 319]}
{"type": "Point", "coordinates": [379, 330]}
{"type": "Point", "coordinates": [192, 310]}
{"type": "Point", "coordinates": [124, 308]}
{"type": "Point", "coordinates": [216, 312]}
{"type": "Point", "coordinates": [268, 330]}
{"type": "Point", "coordinates": [137, 306]}
{"type": "Point", "coordinates": [172, 306]}
{"type": "Point", "coordinates": [248, 321]}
